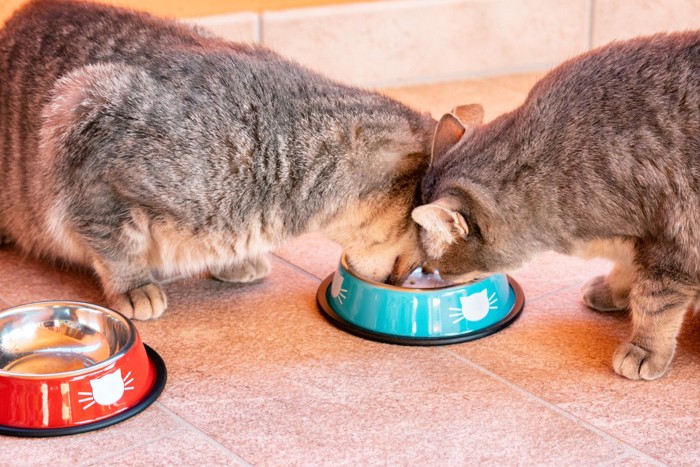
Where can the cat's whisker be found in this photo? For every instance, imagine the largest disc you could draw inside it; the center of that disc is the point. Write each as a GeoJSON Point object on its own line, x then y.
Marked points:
{"type": "Point", "coordinates": [86, 399]}
{"type": "Point", "coordinates": [89, 405]}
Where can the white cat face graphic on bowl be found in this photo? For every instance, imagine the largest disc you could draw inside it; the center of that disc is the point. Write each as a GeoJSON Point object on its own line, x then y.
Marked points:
{"type": "Point", "coordinates": [107, 389]}
{"type": "Point", "coordinates": [337, 290]}
{"type": "Point", "coordinates": [474, 307]}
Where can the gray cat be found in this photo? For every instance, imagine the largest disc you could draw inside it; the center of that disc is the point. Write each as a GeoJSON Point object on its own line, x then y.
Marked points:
{"type": "Point", "coordinates": [602, 159]}
{"type": "Point", "coordinates": [143, 148]}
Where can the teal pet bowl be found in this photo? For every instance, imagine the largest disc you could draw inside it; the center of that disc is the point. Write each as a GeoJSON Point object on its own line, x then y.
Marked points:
{"type": "Point", "coordinates": [419, 316]}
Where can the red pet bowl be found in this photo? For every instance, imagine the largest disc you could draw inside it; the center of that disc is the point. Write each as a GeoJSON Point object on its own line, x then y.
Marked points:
{"type": "Point", "coordinates": [71, 367]}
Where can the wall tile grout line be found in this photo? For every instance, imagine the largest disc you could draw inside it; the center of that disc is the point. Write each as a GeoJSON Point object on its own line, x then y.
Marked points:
{"type": "Point", "coordinates": [631, 450]}
{"type": "Point", "coordinates": [195, 429]}
{"type": "Point", "coordinates": [259, 28]}
{"type": "Point", "coordinates": [590, 24]}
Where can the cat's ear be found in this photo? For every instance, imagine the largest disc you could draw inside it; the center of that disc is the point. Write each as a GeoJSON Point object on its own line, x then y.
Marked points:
{"type": "Point", "coordinates": [448, 132]}
{"type": "Point", "coordinates": [453, 126]}
{"type": "Point", "coordinates": [443, 224]}
{"type": "Point", "coordinates": [470, 115]}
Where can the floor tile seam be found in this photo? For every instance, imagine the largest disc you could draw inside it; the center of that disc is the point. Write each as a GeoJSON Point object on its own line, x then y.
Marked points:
{"type": "Point", "coordinates": [297, 268]}
{"type": "Point", "coordinates": [566, 288]}
{"type": "Point", "coordinates": [629, 449]}
{"type": "Point", "coordinates": [132, 447]}
{"type": "Point", "coordinates": [191, 427]}
{"type": "Point", "coordinates": [4, 301]}
{"type": "Point", "coordinates": [551, 293]}
{"type": "Point", "coordinates": [617, 460]}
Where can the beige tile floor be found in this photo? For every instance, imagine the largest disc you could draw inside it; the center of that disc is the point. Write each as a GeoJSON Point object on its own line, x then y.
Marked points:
{"type": "Point", "coordinates": [257, 376]}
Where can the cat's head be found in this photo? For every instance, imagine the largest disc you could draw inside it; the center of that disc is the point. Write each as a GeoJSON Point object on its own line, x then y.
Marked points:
{"type": "Point", "coordinates": [380, 239]}
{"type": "Point", "coordinates": [387, 248]}
{"type": "Point", "coordinates": [463, 229]}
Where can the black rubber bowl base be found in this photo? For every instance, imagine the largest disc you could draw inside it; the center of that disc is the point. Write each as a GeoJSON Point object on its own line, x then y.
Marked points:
{"type": "Point", "coordinates": [340, 323]}
{"type": "Point", "coordinates": [148, 399]}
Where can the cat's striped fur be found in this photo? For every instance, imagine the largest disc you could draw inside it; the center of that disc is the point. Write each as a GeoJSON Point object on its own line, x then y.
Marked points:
{"type": "Point", "coordinates": [139, 146]}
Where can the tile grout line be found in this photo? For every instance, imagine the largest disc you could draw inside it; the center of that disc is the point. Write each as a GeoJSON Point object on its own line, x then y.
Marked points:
{"type": "Point", "coordinates": [193, 428]}
{"type": "Point", "coordinates": [111, 455]}
{"type": "Point", "coordinates": [297, 268]}
{"type": "Point", "coordinates": [590, 25]}
{"type": "Point", "coordinates": [583, 423]}
{"type": "Point", "coordinates": [259, 31]}
{"type": "Point", "coordinates": [615, 460]}
{"type": "Point", "coordinates": [550, 294]}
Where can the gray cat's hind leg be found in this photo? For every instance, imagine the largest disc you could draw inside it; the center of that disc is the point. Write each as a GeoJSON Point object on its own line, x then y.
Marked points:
{"type": "Point", "coordinates": [658, 305]}
{"type": "Point", "coordinates": [610, 293]}
{"type": "Point", "coordinates": [248, 270]}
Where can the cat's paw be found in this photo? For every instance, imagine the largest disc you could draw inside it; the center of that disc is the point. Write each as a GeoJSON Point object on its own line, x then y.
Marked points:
{"type": "Point", "coordinates": [634, 362]}
{"type": "Point", "coordinates": [247, 271]}
{"type": "Point", "coordinates": [142, 303]}
{"type": "Point", "coordinates": [598, 295]}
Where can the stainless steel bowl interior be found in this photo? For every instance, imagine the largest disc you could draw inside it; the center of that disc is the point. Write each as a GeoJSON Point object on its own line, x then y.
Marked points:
{"type": "Point", "coordinates": [416, 282]}
{"type": "Point", "coordinates": [55, 338]}
{"type": "Point", "coordinates": [421, 280]}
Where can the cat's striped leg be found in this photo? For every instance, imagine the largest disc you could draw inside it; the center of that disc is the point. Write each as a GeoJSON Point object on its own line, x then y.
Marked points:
{"type": "Point", "coordinates": [130, 289]}
{"type": "Point", "coordinates": [247, 270]}
{"type": "Point", "coordinates": [658, 304]}
{"type": "Point", "coordinates": [610, 293]}
{"type": "Point", "coordinates": [120, 243]}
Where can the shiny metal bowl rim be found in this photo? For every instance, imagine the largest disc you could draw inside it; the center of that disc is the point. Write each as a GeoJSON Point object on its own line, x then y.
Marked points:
{"type": "Point", "coordinates": [83, 371]}
{"type": "Point", "coordinates": [397, 288]}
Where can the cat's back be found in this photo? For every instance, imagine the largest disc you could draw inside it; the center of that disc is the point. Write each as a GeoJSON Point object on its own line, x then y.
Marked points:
{"type": "Point", "coordinates": [625, 81]}
{"type": "Point", "coordinates": [48, 40]}
{"type": "Point", "coordinates": [91, 31]}
{"type": "Point", "coordinates": [621, 125]}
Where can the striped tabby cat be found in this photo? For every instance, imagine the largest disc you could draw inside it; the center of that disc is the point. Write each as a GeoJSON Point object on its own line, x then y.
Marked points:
{"type": "Point", "coordinates": [144, 148]}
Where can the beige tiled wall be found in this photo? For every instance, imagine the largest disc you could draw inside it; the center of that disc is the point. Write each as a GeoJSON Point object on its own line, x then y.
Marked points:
{"type": "Point", "coordinates": [622, 19]}
{"type": "Point", "coordinates": [239, 27]}
{"type": "Point", "coordinates": [387, 43]}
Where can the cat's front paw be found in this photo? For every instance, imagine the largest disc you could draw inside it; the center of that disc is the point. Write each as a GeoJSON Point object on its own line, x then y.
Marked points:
{"type": "Point", "coordinates": [142, 303]}
{"type": "Point", "coordinates": [634, 362]}
{"type": "Point", "coordinates": [598, 294]}
{"type": "Point", "coordinates": [247, 271]}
